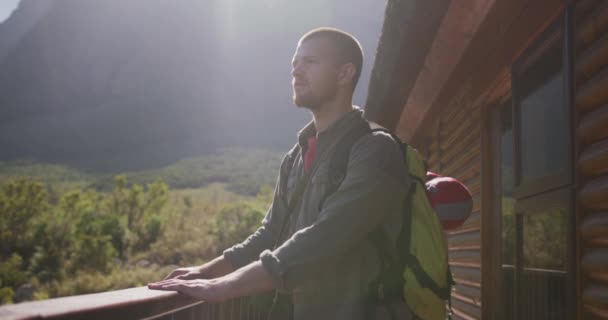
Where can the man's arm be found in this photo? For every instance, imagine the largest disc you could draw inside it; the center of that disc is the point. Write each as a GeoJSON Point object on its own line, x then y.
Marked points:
{"type": "Point", "coordinates": [247, 251]}
{"type": "Point", "coordinates": [248, 280]}
{"type": "Point", "coordinates": [213, 269]}
{"type": "Point", "coordinates": [265, 237]}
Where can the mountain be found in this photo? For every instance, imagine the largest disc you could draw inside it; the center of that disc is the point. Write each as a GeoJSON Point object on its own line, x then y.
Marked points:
{"type": "Point", "coordinates": [119, 85]}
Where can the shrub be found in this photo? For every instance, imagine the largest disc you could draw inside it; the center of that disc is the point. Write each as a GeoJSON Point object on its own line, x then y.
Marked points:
{"type": "Point", "coordinates": [233, 224]}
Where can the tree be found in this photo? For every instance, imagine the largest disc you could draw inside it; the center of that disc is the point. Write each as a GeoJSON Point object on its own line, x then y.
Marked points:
{"type": "Point", "coordinates": [21, 201]}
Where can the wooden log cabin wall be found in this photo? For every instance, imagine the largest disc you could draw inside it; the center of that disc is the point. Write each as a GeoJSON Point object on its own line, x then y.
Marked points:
{"type": "Point", "coordinates": [455, 150]}
{"type": "Point", "coordinates": [591, 112]}
{"type": "Point", "coordinates": [521, 117]}
{"type": "Point", "coordinates": [464, 141]}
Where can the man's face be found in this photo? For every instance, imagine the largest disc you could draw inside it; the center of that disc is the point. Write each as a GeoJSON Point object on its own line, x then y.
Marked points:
{"type": "Point", "coordinates": [314, 73]}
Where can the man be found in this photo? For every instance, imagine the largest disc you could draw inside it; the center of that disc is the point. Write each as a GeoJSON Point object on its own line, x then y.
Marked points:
{"type": "Point", "coordinates": [324, 259]}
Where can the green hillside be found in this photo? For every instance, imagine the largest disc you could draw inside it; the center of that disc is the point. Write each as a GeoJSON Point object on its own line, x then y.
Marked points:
{"type": "Point", "coordinates": [66, 232]}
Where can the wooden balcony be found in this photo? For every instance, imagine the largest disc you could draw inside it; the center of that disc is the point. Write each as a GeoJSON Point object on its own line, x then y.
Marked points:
{"type": "Point", "coordinates": [135, 303]}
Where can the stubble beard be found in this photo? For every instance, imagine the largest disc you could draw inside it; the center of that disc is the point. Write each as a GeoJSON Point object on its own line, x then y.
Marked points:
{"type": "Point", "coordinates": [311, 102]}
{"type": "Point", "coordinates": [305, 102]}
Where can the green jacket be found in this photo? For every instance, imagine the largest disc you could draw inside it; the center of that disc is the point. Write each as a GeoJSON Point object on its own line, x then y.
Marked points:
{"type": "Point", "coordinates": [326, 260]}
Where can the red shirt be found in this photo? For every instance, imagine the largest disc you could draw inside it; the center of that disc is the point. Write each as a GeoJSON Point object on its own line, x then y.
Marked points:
{"type": "Point", "coordinates": [311, 150]}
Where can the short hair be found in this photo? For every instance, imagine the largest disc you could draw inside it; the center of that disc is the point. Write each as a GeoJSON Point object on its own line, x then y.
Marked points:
{"type": "Point", "coordinates": [348, 47]}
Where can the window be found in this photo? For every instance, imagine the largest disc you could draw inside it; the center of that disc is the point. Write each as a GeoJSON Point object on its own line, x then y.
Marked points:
{"type": "Point", "coordinates": [542, 118]}
{"type": "Point", "coordinates": [535, 184]}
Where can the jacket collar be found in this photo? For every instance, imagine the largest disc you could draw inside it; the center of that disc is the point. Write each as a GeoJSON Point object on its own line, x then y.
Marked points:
{"type": "Point", "coordinates": [334, 131]}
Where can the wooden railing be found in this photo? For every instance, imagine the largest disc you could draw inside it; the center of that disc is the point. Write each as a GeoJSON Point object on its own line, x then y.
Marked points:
{"type": "Point", "coordinates": [135, 303]}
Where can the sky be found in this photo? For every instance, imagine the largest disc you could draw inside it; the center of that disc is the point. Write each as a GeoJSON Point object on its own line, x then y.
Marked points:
{"type": "Point", "coordinates": [6, 8]}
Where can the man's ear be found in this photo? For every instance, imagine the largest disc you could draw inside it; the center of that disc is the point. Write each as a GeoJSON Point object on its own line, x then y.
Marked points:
{"type": "Point", "coordinates": [347, 74]}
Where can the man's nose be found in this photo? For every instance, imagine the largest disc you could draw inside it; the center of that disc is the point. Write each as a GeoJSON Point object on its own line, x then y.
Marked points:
{"type": "Point", "coordinates": [296, 70]}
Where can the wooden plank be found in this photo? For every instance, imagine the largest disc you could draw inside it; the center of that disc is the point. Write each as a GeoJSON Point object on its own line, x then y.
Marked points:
{"type": "Point", "coordinates": [584, 7]}
{"type": "Point", "coordinates": [455, 128]}
{"type": "Point", "coordinates": [434, 146]}
{"type": "Point", "coordinates": [468, 274]}
{"type": "Point", "coordinates": [468, 239]}
{"type": "Point", "coordinates": [457, 247]}
{"type": "Point", "coordinates": [592, 27]}
{"type": "Point", "coordinates": [595, 265]}
{"type": "Point", "coordinates": [468, 306]}
{"type": "Point", "coordinates": [467, 283]}
{"type": "Point", "coordinates": [471, 301]}
{"type": "Point", "coordinates": [474, 220]}
{"type": "Point", "coordinates": [464, 146]}
{"type": "Point", "coordinates": [461, 314]}
{"type": "Point", "coordinates": [433, 160]}
{"type": "Point", "coordinates": [452, 139]}
{"type": "Point", "coordinates": [594, 194]}
{"type": "Point", "coordinates": [593, 126]}
{"type": "Point", "coordinates": [467, 290]}
{"type": "Point", "coordinates": [462, 231]}
{"type": "Point", "coordinates": [593, 161]}
{"type": "Point", "coordinates": [451, 123]}
{"type": "Point", "coordinates": [592, 312]}
{"type": "Point", "coordinates": [474, 184]}
{"type": "Point", "coordinates": [473, 255]}
{"type": "Point", "coordinates": [398, 62]}
{"type": "Point", "coordinates": [451, 113]}
{"type": "Point", "coordinates": [595, 299]}
{"type": "Point", "coordinates": [593, 93]}
{"type": "Point", "coordinates": [466, 169]}
{"type": "Point", "coordinates": [592, 60]}
{"type": "Point", "coordinates": [468, 172]}
{"type": "Point", "coordinates": [594, 229]}
{"type": "Point", "coordinates": [135, 303]}
{"type": "Point", "coordinates": [448, 147]}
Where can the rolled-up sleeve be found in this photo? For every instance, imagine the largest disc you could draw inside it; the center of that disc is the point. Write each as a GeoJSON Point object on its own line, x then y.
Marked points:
{"type": "Point", "coordinates": [375, 185]}
{"type": "Point", "coordinates": [265, 236]}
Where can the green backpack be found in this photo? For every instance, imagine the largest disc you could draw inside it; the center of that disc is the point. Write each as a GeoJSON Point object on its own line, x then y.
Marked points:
{"type": "Point", "coordinates": [420, 274]}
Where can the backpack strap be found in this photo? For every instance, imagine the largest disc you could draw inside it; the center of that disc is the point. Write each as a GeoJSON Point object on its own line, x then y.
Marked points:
{"type": "Point", "coordinates": [339, 160]}
{"type": "Point", "coordinates": [290, 159]}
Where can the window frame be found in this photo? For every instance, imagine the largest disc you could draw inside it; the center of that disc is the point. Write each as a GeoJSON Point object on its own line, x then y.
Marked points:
{"type": "Point", "coordinates": [532, 197]}
{"type": "Point", "coordinates": [556, 34]}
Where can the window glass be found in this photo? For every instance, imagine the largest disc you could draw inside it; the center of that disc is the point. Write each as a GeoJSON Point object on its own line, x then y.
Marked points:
{"type": "Point", "coordinates": [543, 118]}
{"type": "Point", "coordinates": [543, 279]}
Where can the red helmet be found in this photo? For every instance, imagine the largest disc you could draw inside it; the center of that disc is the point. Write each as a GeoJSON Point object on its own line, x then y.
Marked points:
{"type": "Point", "coordinates": [450, 198]}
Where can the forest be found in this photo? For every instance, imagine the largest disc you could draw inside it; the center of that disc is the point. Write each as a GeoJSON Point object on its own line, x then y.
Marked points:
{"type": "Point", "coordinates": [67, 232]}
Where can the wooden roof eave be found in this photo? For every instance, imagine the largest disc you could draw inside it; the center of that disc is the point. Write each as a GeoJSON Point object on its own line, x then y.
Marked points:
{"type": "Point", "coordinates": [407, 35]}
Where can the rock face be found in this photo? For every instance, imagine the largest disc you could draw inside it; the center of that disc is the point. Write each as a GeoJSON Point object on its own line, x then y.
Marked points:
{"type": "Point", "coordinates": [122, 85]}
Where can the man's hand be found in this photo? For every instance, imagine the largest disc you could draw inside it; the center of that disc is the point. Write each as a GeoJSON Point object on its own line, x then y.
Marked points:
{"type": "Point", "coordinates": [248, 280]}
{"type": "Point", "coordinates": [214, 290]}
